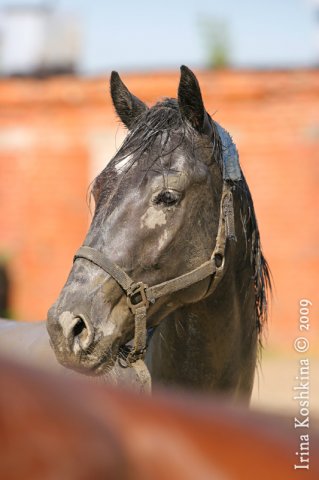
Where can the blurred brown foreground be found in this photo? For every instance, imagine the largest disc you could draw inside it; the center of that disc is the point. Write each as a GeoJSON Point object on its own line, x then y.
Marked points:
{"type": "Point", "coordinates": [64, 428]}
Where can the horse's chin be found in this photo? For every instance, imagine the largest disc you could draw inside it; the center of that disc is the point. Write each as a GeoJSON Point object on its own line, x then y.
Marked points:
{"type": "Point", "coordinates": [102, 367]}
{"type": "Point", "coordinates": [90, 365]}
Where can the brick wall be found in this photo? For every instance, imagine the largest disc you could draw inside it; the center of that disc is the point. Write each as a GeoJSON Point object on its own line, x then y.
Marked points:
{"type": "Point", "coordinates": [56, 134]}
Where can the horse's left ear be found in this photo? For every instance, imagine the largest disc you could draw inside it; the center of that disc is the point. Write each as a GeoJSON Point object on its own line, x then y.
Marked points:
{"type": "Point", "coordinates": [191, 103]}
{"type": "Point", "coordinates": [127, 106]}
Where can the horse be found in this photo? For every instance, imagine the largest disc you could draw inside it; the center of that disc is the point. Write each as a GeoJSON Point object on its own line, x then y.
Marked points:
{"type": "Point", "coordinates": [52, 427]}
{"type": "Point", "coordinates": [172, 260]}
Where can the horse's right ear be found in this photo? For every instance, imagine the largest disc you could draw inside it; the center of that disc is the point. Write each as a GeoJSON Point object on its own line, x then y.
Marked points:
{"type": "Point", "coordinates": [127, 106]}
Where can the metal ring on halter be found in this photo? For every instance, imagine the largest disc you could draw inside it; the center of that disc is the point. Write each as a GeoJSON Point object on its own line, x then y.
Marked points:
{"type": "Point", "coordinates": [127, 355]}
{"type": "Point", "coordinates": [136, 297]}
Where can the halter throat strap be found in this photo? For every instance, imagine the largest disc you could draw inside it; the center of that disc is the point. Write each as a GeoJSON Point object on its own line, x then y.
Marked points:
{"type": "Point", "coordinates": [140, 295]}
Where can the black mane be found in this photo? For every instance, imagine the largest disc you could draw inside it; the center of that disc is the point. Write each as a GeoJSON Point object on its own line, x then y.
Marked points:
{"type": "Point", "coordinates": [261, 271]}
{"type": "Point", "coordinates": [161, 126]}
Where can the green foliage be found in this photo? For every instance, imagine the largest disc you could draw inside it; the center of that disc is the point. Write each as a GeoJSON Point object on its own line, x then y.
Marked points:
{"type": "Point", "coordinates": [216, 42]}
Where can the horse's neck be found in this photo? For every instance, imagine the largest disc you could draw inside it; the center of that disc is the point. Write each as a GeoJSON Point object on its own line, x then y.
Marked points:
{"type": "Point", "coordinates": [210, 345]}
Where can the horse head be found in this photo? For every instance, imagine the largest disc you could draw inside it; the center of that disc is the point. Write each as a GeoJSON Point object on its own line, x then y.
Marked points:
{"type": "Point", "coordinates": [161, 221]}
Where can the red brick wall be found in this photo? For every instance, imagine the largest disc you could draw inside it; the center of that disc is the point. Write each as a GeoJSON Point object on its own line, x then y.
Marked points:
{"type": "Point", "coordinates": [53, 137]}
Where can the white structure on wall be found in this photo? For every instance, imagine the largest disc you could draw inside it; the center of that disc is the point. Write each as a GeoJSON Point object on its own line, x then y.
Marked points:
{"type": "Point", "coordinates": [315, 6]}
{"type": "Point", "coordinates": [38, 40]}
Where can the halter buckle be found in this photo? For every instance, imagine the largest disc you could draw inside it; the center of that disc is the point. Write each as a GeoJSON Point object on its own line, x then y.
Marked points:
{"type": "Point", "coordinates": [136, 297]}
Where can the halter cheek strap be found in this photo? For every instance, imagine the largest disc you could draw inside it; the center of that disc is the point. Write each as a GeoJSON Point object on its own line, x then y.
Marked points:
{"type": "Point", "coordinates": [139, 295]}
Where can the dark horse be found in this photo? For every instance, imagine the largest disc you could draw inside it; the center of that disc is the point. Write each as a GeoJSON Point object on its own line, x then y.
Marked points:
{"type": "Point", "coordinates": [174, 213]}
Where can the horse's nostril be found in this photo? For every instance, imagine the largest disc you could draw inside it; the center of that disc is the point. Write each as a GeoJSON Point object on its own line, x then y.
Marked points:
{"type": "Point", "coordinates": [79, 327]}
{"type": "Point", "coordinates": [77, 330]}
{"type": "Point", "coordinates": [82, 332]}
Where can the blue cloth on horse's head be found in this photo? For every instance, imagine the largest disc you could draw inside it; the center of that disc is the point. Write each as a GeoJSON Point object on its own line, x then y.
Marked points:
{"type": "Point", "coordinates": [231, 168]}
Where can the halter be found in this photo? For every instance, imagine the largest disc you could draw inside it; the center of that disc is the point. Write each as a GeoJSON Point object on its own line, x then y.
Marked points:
{"type": "Point", "coordinates": [139, 295]}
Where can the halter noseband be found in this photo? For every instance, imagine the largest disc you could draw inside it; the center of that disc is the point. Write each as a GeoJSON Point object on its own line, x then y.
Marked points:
{"type": "Point", "coordinates": [139, 295]}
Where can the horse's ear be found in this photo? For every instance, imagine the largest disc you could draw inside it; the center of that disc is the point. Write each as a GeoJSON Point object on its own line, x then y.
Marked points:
{"type": "Point", "coordinates": [191, 103]}
{"type": "Point", "coordinates": [127, 106]}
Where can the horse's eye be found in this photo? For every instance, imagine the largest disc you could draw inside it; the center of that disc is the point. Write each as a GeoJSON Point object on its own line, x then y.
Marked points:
{"type": "Point", "coordinates": [167, 198]}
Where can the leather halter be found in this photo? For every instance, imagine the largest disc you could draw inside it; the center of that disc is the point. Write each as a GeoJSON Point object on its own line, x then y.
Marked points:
{"type": "Point", "coordinates": [139, 295]}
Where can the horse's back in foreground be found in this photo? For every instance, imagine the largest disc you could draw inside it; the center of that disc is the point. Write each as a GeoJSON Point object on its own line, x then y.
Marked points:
{"type": "Point", "coordinates": [68, 430]}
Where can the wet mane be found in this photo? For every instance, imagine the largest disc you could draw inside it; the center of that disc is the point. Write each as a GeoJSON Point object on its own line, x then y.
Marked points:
{"type": "Point", "coordinates": [161, 127]}
{"type": "Point", "coordinates": [261, 275]}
